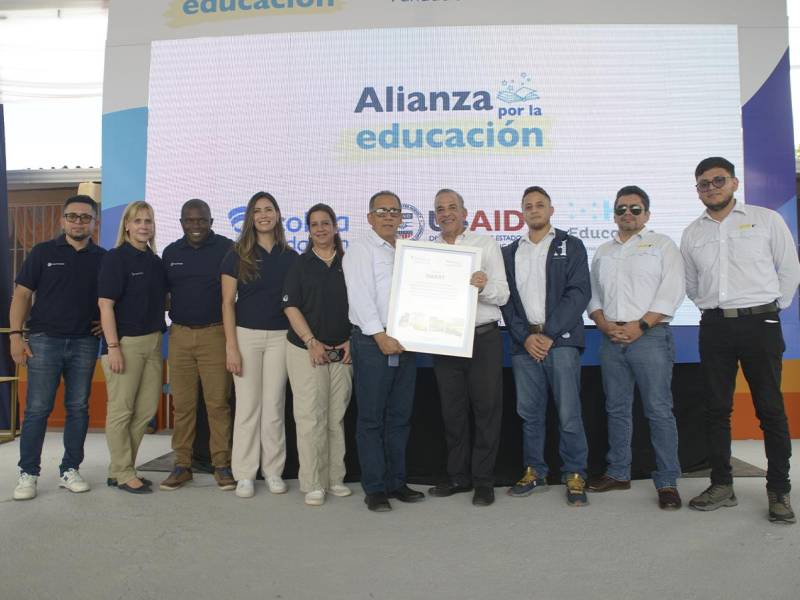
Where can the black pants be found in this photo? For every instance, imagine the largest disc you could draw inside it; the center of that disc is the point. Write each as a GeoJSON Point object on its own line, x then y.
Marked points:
{"type": "Point", "coordinates": [755, 341]}
{"type": "Point", "coordinates": [475, 383]}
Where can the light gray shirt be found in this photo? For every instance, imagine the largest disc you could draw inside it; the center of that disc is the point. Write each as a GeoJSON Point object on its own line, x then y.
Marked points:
{"type": "Point", "coordinates": [643, 274]}
{"type": "Point", "coordinates": [368, 265]}
{"type": "Point", "coordinates": [748, 259]}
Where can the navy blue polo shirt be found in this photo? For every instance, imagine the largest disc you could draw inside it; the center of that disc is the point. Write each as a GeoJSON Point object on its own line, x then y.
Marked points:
{"type": "Point", "coordinates": [193, 279]}
{"type": "Point", "coordinates": [136, 281]}
{"type": "Point", "coordinates": [319, 292]}
{"type": "Point", "coordinates": [65, 282]}
{"type": "Point", "coordinates": [258, 305]}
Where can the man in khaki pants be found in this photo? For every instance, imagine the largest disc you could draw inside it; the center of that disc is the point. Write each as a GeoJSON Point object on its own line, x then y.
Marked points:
{"type": "Point", "coordinates": [197, 344]}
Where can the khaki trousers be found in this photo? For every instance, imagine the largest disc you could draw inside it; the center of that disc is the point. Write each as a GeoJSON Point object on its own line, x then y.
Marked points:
{"type": "Point", "coordinates": [258, 427]}
{"type": "Point", "coordinates": [197, 357]}
{"type": "Point", "coordinates": [320, 398]}
{"type": "Point", "coordinates": [133, 397]}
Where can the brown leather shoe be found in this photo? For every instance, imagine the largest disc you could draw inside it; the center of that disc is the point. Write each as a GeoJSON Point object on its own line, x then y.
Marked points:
{"type": "Point", "coordinates": [604, 483]}
{"type": "Point", "coordinates": [178, 478]}
{"type": "Point", "coordinates": [669, 499]}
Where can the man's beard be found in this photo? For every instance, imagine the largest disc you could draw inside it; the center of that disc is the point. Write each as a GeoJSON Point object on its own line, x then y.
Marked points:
{"type": "Point", "coordinates": [78, 238]}
{"type": "Point", "coordinates": [721, 206]}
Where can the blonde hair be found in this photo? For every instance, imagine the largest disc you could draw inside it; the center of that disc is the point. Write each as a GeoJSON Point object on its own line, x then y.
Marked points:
{"type": "Point", "coordinates": [130, 213]}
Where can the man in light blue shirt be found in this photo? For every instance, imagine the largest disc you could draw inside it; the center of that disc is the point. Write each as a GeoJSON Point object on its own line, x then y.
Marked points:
{"type": "Point", "coordinates": [384, 372]}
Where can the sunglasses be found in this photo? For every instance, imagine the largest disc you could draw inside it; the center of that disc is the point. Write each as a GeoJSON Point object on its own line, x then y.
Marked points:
{"type": "Point", "coordinates": [704, 184]}
{"type": "Point", "coordinates": [77, 217]}
{"type": "Point", "coordinates": [635, 209]}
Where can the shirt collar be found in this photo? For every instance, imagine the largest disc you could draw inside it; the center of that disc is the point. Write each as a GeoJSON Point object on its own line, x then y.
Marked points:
{"type": "Point", "coordinates": [524, 239]}
{"type": "Point", "coordinates": [377, 240]}
{"type": "Point", "coordinates": [738, 206]}
{"type": "Point", "coordinates": [640, 235]}
{"type": "Point", "coordinates": [133, 251]}
{"type": "Point", "coordinates": [459, 238]}
{"type": "Point", "coordinates": [62, 241]}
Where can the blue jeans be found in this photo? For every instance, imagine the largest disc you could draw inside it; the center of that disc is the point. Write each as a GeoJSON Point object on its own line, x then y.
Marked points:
{"type": "Point", "coordinates": [647, 363]}
{"type": "Point", "coordinates": [385, 397]}
{"type": "Point", "coordinates": [74, 358]}
{"type": "Point", "coordinates": [560, 374]}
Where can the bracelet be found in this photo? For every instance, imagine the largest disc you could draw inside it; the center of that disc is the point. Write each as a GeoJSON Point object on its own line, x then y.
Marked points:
{"type": "Point", "coordinates": [309, 340]}
{"type": "Point", "coordinates": [113, 345]}
{"type": "Point", "coordinates": [17, 331]}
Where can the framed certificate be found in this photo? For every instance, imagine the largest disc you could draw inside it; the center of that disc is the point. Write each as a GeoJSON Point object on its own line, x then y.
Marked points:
{"type": "Point", "coordinates": [432, 305]}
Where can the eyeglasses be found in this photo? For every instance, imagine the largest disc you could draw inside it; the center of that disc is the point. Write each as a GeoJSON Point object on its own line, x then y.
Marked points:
{"type": "Point", "coordinates": [635, 209]}
{"type": "Point", "coordinates": [384, 212]}
{"type": "Point", "coordinates": [78, 217]}
{"type": "Point", "coordinates": [704, 184]}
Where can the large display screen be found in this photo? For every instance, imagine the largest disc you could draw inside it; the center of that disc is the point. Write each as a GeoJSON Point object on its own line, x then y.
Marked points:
{"type": "Point", "coordinates": [336, 116]}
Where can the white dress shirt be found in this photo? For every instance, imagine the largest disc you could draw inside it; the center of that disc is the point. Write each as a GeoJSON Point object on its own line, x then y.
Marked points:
{"type": "Point", "coordinates": [643, 274]}
{"type": "Point", "coordinates": [748, 259]}
{"type": "Point", "coordinates": [368, 265]}
{"type": "Point", "coordinates": [495, 293]}
{"type": "Point", "coordinates": [530, 267]}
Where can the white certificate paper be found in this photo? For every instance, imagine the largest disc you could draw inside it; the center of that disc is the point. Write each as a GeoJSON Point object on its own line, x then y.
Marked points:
{"type": "Point", "coordinates": [432, 306]}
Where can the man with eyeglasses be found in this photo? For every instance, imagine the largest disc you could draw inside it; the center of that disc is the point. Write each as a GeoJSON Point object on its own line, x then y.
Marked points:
{"type": "Point", "coordinates": [741, 270]}
{"type": "Point", "coordinates": [384, 373]}
{"type": "Point", "coordinates": [548, 277]}
{"type": "Point", "coordinates": [197, 345]}
{"type": "Point", "coordinates": [472, 384]}
{"type": "Point", "coordinates": [61, 340]}
{"type": "Point", "coordinates": [637, 285]}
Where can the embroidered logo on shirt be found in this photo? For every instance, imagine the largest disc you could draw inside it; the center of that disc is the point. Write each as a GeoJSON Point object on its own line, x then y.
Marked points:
{"type": "Point", "coordinates": [747, 225]}
{"type": "Point", "coordinates": [561, 250]}
{"type": "Point", "coordinates": [286, 297]}
{"type": "Point", "coordinates": [137, 273]}
{"type": "Point", "coordinates": [174, 264]}
{"type": "Point", "coordinates": [53, 264]}
{"type": "Point", "coordinates": [645, 245]}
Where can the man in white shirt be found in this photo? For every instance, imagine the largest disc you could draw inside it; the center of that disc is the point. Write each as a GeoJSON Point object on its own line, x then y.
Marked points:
{"type": "Point", "coordinates": [548, 280]}
{"type": "Point", "coordinates": [384, 372]}
{"type": "Point", "coordinates": [637, 284]}
{"type": "Point", "coordinates": [475, 382]}
{"type": "Point", "coordinates": [741, 270]}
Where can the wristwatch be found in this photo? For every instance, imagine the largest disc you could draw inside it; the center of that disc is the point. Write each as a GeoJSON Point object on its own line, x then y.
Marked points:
{"type": "Point", "coordinates": [644, 325]}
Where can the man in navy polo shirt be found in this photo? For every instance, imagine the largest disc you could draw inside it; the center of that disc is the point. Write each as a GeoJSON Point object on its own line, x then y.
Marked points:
{"type": "Point", "coordinates": [197, 344]}
{"type": "Point", "coordinates": [63, 325]}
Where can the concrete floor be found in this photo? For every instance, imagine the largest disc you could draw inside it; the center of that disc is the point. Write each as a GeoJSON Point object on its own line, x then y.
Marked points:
{"type": "Point", "coordinates": [199, 542]}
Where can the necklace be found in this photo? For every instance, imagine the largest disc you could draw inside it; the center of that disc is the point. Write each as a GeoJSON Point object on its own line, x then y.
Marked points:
{"type": "Point", "coordinates": [322, 258]}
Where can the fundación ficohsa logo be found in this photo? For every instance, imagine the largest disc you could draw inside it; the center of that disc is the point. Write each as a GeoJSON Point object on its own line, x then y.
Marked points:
{"type": "Point", "coordinates": [511, 117]}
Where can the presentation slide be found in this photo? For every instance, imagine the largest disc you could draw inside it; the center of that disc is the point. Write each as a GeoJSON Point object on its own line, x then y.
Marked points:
{"type": "Point", "coordinates": [336, 116]}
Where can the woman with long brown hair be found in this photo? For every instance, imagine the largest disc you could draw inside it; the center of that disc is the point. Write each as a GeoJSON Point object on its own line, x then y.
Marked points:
{"type": "Point", "coordinates": [255, 331]}
{"type": "Point", "coordinates": [318, 356]}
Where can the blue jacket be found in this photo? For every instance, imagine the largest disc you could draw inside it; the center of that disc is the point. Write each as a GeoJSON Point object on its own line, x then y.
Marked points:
{"type": "Point", "coordinates": [568, 293]}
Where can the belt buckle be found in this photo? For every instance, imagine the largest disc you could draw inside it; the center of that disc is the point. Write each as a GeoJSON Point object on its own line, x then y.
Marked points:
{"type": "Point", "coordinates": [730, 313]}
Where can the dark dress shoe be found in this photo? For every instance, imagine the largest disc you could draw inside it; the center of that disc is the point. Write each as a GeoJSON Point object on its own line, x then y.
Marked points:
{"type": "Point", "coordinates": [483, 496]}
{"type": "Point", "coordinates": [448, 488]}
{"type": "Point", "coordinates": [406, 494]}
{"type": "Point", "coordinates": [377, 502]}
{"type": "Point", "coordinates": [669, 499]}
{"type": "Point", "coordinates": [604, 483]}
{"type": "Point", "coordinates": [145, 489]}
{"type": "Point", "coordinates": [112, 482]}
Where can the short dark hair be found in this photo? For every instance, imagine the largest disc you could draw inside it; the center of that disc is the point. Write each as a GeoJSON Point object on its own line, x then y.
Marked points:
{"type": "Point", "coordinates": [713, 162]}
{"type": "Point", "coordinates": [634, 190]}
{"type": "Point", "coordinates": [449, 191]}
{"type": "Point", "coordinates": [82, 199]}
{"type": "Point", "coordinates": [384, 193]}
{"type": "Point", "coordinates": [536, 189]}
{"type": "Point", "coordinates": [195, 203]}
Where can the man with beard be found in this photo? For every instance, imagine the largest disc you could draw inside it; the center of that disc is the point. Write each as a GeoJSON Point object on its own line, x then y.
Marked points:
{"type": "Point", "coordinates": [741, 270]}
{"type": "Point", "coordinates": [61, 340]}
{"type": "Point", "coordinates": [548, 277]}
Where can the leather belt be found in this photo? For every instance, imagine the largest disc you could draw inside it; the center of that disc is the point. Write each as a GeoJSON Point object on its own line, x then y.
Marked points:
{"type": "Point", "coordinates": [485, 328]}
{"type": "Point", "coordinates": [659, 324]}
{"type": "Point", "coordinates": [199, 326]}
{"type": "Point", "coordinates": [732, 313]}
{"type": "Point", "coordinates": [535, 327]}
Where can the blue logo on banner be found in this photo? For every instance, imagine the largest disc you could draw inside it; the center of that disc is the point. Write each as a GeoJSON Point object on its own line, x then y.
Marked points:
{"type": "Point", "coordinates": [514, 90]}
{"type": "Point", "coordinates": [236, 217]}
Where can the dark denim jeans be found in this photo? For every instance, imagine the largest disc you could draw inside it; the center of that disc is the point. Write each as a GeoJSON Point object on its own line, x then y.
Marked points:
{"type": "Point", "coordinates": [74, 358]}
{"type": "Point", "coordinates": [560, 374]}
{"type": "Point", "coordinates": [647, 363]}
{"type": "Point", "coordinates": [385, 398]}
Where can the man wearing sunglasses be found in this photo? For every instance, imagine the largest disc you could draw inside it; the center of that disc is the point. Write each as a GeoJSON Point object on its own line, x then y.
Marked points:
{"type": "Point", "coordinates": [61, 340]}
{"type": "Point", "coordinates": [741, 270]}
{"type": "Point", "coordinates": [548, 279]}
{"type": "Point", "coordinates": [384, 373]}
{"type": "Point", "coordinates": [637, 284]}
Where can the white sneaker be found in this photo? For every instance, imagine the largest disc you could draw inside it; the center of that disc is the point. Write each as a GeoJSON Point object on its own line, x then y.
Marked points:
{"type": "Point", "coordinates": [245, 488]}
{"type": "Point", "coordinates": [315, 498]}
{"type": "Point", "coordinates": [276, 485]}
{"type": "Point", "coordinates": [26, 486]}
{"type": "Point", "coordinates": [340, 490]}
{"type": "Point", "coordinates": [72, 480]}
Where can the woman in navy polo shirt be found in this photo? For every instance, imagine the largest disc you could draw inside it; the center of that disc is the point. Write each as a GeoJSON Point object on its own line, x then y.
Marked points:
{"type": "Point", "coordinates": [318, 356]}
{"type": "Point", "coordinates": [132, 295]}
{"type": "Point", "coordinates": [255, 333]}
